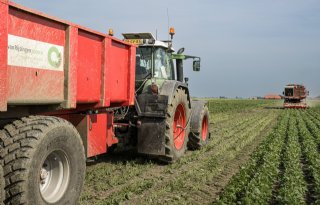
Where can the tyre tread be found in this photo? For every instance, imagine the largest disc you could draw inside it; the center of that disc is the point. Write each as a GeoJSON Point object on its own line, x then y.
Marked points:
{"type": "Point", "coordinates": [19, 140]}
{"type": "Point", "coordinates": [195, 139]}
{"type": "Point", "coordinates": [169, 155]}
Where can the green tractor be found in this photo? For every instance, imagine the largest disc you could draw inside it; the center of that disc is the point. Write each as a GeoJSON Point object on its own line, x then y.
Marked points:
{"type": "Point", "coordinates": [166, 120]}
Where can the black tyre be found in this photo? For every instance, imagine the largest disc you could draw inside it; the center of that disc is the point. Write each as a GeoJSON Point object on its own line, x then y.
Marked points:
{"type": "Point", "coordinates": [2, 195]}
{"type": "Point", "coordinates": [44, 161]}
{"type": "Point", "coordinates": [177, 126]}
{"type": "Point", "coordinates": [200, 132]}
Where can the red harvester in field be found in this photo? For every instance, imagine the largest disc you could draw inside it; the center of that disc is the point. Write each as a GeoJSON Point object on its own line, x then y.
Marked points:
{"type": "Point", "coordinates": [295, 96]}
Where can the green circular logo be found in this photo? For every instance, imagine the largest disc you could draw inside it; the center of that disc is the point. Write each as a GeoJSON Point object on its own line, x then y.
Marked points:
{"type": "Point", "coordinates": [54, 57]}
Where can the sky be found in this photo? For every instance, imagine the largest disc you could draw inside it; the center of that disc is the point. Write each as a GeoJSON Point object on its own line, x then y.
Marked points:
{"type": "Point", "coordinates": [247, 47]}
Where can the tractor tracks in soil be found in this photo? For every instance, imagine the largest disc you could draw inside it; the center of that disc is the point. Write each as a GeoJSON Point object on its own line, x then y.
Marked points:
{"type": "Point", "coordinates": [195, 182]}
{"type": "Point", "coordinates": [197, 178]}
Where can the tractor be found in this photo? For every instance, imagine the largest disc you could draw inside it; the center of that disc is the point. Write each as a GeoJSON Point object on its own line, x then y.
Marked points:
{"type": "Point", "coordinates": [166, 120]}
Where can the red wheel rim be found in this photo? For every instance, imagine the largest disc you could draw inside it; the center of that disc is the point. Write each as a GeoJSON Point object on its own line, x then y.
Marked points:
{"type": "Point", "coordinates": [179, 123]}
{"type": "Point", "coordinates": [204, 130]}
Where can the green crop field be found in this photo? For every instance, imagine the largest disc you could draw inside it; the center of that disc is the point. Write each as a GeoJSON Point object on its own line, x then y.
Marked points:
{"type": "Point", "coordinates": [257, 154]}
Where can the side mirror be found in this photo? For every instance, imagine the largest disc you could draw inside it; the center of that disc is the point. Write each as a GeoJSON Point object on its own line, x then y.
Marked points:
{"type": "Point", "coordinates": [180, 51]}
{"type": "Point", "coordinates": [196, 65]}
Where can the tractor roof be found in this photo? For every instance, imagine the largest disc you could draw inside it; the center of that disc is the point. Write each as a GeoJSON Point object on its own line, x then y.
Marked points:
{"type": "Point", "coordinates": [145, 39]}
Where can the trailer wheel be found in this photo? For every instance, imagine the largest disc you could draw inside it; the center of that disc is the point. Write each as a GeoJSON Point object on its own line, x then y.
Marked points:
{"type": "Point", "coordinates": [2, 195]}
{"type": "Point", "coordinates": [44, 161]}
{"type": "Point", "coordinates": [177, 126]}
{"type": "Point", "coordinates": [199, 134]}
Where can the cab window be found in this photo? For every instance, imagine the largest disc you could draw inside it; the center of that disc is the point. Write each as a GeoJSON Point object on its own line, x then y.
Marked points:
{"type": "Point", "coordinates": [162, 65]}
{"type": "Point", "coordinates": [143, 62]}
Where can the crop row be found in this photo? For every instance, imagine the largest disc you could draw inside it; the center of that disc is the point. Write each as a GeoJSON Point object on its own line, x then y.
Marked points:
{"type": "Point", "coordinates": [314, 126]}
{"type": "Point", "coordinates": [292, 184]}
{"type": "Point", "coordinates": [218, 106]}
{"type": "Point", "coordinates": [255, 181]}
{"type": "Point", "coordinates": [308, 132]}
{"type": "Point", "coordinates": [285, 169]}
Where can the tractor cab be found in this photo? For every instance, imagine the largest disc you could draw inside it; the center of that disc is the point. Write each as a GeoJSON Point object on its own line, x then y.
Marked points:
{"type": "Point", "coordinates": [288, 91]}
{"type": "Point", "coordinates": [153, 57]}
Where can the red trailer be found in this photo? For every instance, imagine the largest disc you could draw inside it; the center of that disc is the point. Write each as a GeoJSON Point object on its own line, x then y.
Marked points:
{"type": "Point", "coordinates": [59, 86]}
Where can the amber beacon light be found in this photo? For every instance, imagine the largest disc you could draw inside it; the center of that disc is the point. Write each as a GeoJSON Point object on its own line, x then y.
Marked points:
{"type": "Point", "coordinates": [110, 32]}
{"type": "Point", "coordinates": [171, 31]}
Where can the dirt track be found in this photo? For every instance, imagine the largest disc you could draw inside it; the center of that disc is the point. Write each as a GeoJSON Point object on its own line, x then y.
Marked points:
{"type": "Point", "coordinates": [197, 178]}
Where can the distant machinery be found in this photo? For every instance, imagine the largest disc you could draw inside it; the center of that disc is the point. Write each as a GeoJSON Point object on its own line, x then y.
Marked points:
{"type": "Point", "coordinates": [295, 96]}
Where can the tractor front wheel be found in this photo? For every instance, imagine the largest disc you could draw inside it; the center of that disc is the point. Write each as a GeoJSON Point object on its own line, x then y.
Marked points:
{"type": "Point", "coordinates": [200, 132]}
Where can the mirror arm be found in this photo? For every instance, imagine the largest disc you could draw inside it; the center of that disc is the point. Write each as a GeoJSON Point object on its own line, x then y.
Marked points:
{"type": "Point", "coordinates": [185, 57]}
{"type": "Point", "coordinates": [193, 57]}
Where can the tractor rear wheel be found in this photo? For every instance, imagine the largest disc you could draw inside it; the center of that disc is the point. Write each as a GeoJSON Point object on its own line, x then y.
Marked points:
{"type": "Point", "coordinates": [44, 161]}
{"type": "Point", "coordinates": [177, 126]}
{"type": "Point", "coordinates": [200, 132]}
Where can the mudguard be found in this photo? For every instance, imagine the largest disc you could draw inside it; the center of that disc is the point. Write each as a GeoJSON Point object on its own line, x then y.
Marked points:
{"type": "Point", "coordinates": [151, 136]}
{"type": "Point", "coordinates": [152, 109]}
{"type": "Point", "coordinates": [169, 86]}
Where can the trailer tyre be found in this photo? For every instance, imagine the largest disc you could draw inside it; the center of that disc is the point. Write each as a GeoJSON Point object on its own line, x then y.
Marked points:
{"type": "Point", "coordinates": [200, 132]}
{"type": "Point", "coordinates": [177, 127]}
{"type": "Point", "coordinates": [44, 161]}
{"type": "Point", "coordinates": [2, 195]}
